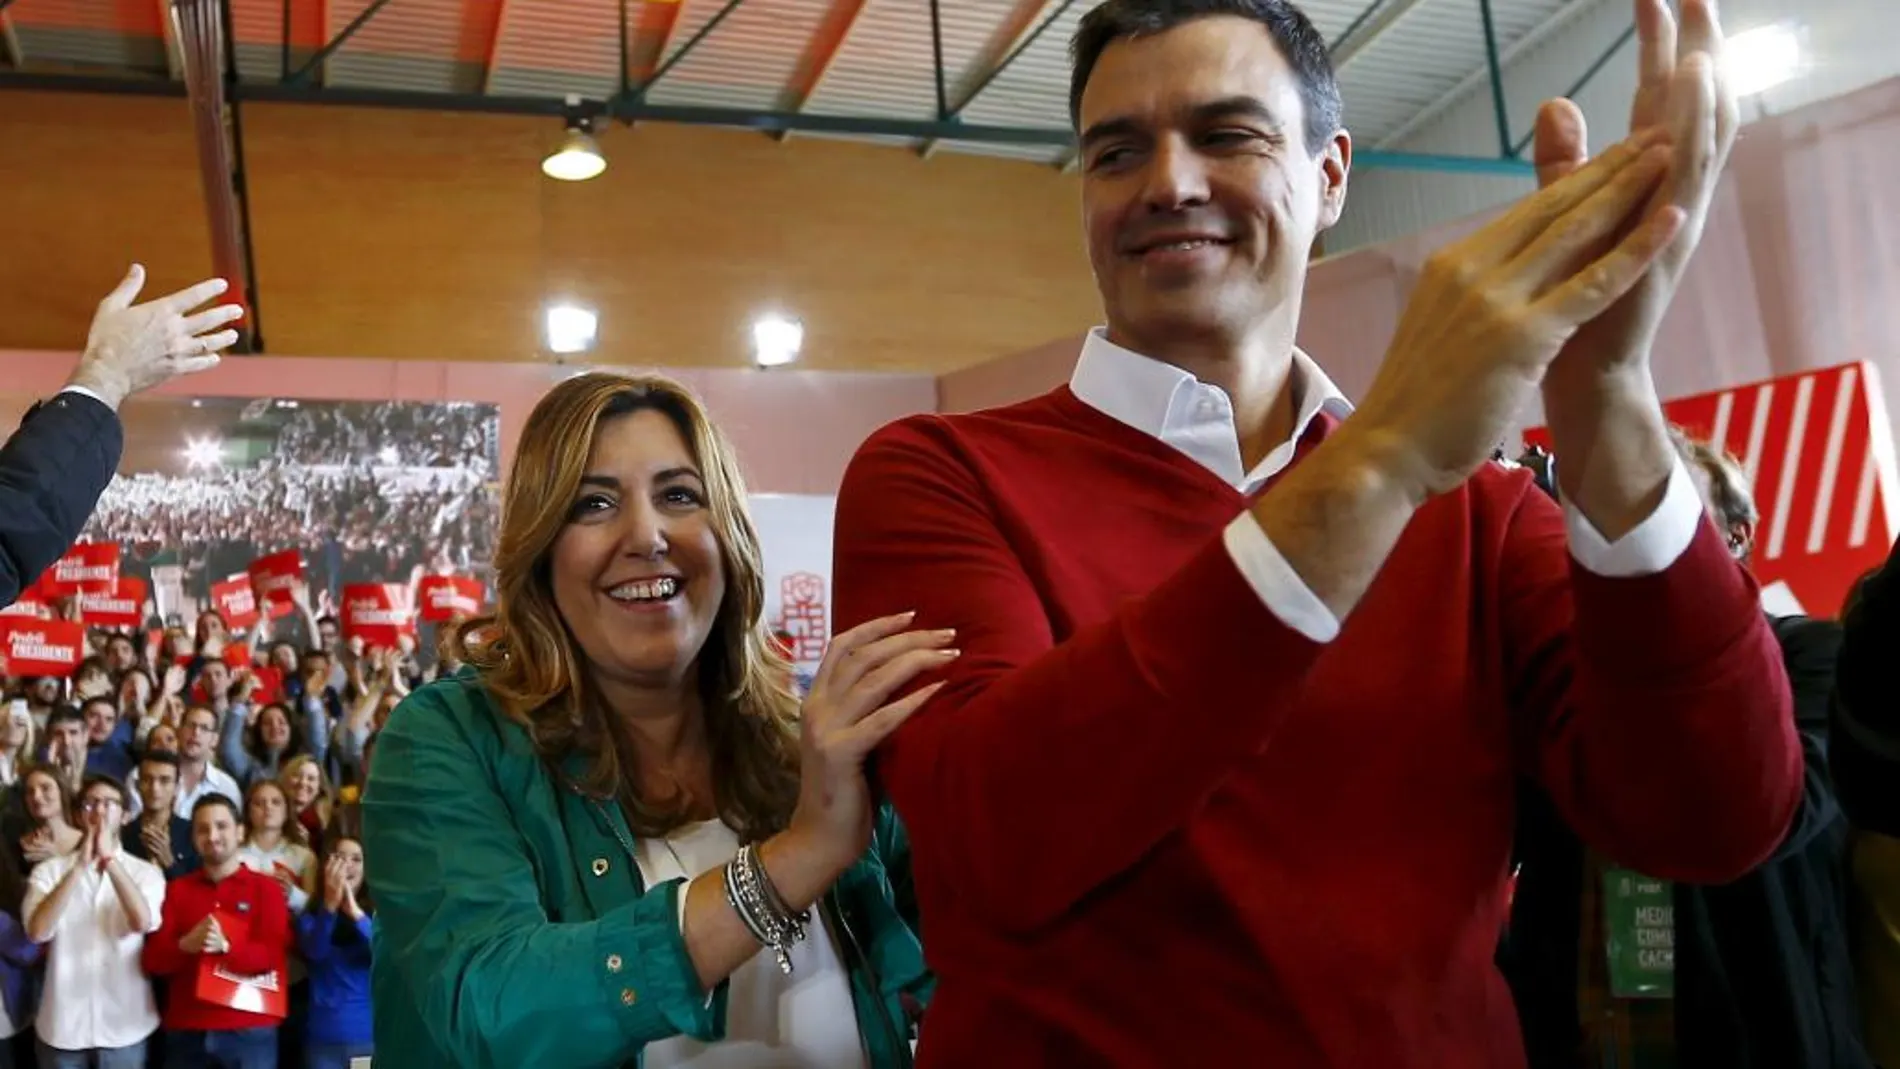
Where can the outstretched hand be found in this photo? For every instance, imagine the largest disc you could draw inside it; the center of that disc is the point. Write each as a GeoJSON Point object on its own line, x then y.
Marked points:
{"type": "Point", "coordinates": [134, 347]}
{"type": "Point", "coordinates": [1683, 91]}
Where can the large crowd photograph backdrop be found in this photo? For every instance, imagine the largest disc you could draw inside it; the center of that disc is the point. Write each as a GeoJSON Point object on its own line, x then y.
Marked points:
{"type": "Point", "coordinates": [1818, 451]}
{"type": "Point", "coordinates": [230, 503]}
{"type": "Point", "coordinates": [387, 513]}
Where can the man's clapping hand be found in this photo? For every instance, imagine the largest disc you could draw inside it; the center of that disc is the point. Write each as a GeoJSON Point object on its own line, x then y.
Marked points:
{"type": "Point", "coordinates": [136, 347]}
{"type": "Point", "coordinates": [207, 937]}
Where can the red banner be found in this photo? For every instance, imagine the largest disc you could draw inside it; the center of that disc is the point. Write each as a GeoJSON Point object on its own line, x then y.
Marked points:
{"type": "Point", "coordinates": [1818, 453]}
{"type": "Point", "coordinates": [237, 654]}
{"type": "Point", "coordinates": [234, 600]}
{"type": "Point", "coordinates": [272, 578]}
{"type": "Point", "coordinates": [442, 598]}
{"type": "Point", "coordinates": [87, 568]}
{"type": "Point", "coordinates": [122, 606]}
{"type": "Point", "coordinates": [375, 613]}
{"type": "Point", "coordinates": [30, 608]}
{"type": "Point", "coordinates": [270, 686]}
{"type": "Point", "coordinates": [42, 647]}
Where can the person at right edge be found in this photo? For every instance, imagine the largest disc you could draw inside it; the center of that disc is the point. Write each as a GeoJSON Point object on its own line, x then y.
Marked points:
{"type": "Point", "coordinates": [1227, 765]}
{"type": "Point", "coordinates": [55, 466]}
{"type": "Point", "coordinates": [1864, 755]}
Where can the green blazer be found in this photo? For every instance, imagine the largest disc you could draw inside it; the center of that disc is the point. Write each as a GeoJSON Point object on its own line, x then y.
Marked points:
{"type": "Point", "coordinates": [513, 929]}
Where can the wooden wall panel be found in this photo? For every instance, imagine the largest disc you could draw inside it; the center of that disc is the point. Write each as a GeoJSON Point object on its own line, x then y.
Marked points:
{"type": "Point", "coordinates": [411, 235]}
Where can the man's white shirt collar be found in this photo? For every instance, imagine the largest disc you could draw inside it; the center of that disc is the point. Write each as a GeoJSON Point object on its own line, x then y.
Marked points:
{"type": "Point", "coordinates": [1168, 403]}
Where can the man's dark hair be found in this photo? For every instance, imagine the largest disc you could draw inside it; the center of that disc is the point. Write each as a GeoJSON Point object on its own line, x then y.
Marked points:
{"type": "Point", "coordinates": [94, 665]}
{"type": "Point", "coordinates": [95, 779]}
{"type": "Point", "coordinates": [212, 799]}
{"type": "Point", "coordinates": [63, 713]}
{"type": "Point", "coordinates": [159, 757]}
{"type": "Point", "coordinates": [1292, 33]}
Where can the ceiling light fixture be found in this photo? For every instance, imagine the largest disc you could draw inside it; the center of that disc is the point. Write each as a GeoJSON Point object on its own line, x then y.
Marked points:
{"type": "Point", "coordinates": [578, 158]}
{"type": "Point", "coordinates": [776, 340]}
{"type": "Point", "coordinates": [571, 328]}
{"type": "Point", "coordinates": [203, 453]}
{"type": "Point", "coordinates": [1761, 58]}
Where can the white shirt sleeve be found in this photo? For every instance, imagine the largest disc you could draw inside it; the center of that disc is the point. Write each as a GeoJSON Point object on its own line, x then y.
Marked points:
{"type": "Point", "coordinates": [1279, 586]}
{"type": "Point", "coordinates": [1651, 545]}
{"type": "Point", "coordinates": [45, 876]}
{"type": "Point", "coordinates": [151, 883]}
{"type": "Point", "coordinates": [1648, 548]}
{"type": "Point", "coordinates": [83, 392]}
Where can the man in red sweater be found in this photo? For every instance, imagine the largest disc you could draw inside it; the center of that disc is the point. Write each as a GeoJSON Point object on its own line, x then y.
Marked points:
{"type": "Point", "coordinates": [1226, 765]}
{"type": "Point", "coordinates": [227, 911]}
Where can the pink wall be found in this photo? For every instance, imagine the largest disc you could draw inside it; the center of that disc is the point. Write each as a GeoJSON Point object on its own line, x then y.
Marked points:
{"type": "Point", "coordinates": [795, 430]}
{"type": "Point", "coordinates": [1799, 268]}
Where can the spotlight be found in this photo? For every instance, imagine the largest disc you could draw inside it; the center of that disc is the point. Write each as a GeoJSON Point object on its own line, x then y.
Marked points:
{"type": "Point", "coordinates": [578, 158]}
{"type": "Point", "coordinates": [203, 453]}
{"type": "Point", "coordinates": [1761, 58]}
{"type": "Point", "coordinates": [571, 328]}
{"type": "Point", "coordinates": [776, 340]}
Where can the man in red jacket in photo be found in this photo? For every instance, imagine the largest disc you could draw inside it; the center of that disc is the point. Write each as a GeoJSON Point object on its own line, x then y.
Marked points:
{"type": "Point", "coordinates": [1226, 766]}
{"type": "Point", "coordinates": [234, 923]}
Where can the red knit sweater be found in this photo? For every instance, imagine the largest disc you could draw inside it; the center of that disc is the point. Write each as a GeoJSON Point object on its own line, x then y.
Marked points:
{"type": "Point", "coordinates": [1153, 824]}
{"type": "Point", "coordinates": [262, 945]}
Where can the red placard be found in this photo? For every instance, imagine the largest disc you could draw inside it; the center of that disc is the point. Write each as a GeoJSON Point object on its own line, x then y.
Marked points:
{"type": "Point", "coordinates": [123, 606]}
{"type": "Point", "coordinates": [87, 568]}
{"type": "Point", "coordinates": [237, 654]}
{"type": "Point", "coordinates": [273, 577]}
{"type": "Point", "coordinates": [442, 598]}
{"type": "Point", "coordinates": [375, 613]}
{"type": "Point", "coordinates": [270, 686]}
{"type": "Point", "coordinates": [235, 601]}
{"type": "Point", "coordinates": [266, 994]}
{"type": "Point", "coordinates": [30, 608]}
{"type": "Point", "coordinates": [42, 647]}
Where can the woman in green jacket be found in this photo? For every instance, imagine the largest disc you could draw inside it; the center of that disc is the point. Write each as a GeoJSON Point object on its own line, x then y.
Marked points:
{"type": "Point", "coordinates": [615, 839]}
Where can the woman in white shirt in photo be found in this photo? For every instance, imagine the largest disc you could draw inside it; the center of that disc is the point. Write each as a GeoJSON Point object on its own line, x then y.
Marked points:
{"type": "Point", "coordinates": [274, 843]}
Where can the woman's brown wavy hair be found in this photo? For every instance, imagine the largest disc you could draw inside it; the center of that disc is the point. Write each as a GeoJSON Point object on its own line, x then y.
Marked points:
{"type": "Point", "coordinates": [528, 659]}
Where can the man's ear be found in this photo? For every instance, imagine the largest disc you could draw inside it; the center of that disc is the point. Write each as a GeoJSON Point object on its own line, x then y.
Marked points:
{"type": "Point", "coordinates": [1335, 163]}
{"type": "Point", "coordinates": [1741, 539]}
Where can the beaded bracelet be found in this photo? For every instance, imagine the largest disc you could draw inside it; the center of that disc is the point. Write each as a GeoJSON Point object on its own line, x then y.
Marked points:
{"type": "Point", "coordinates": [750, 892]}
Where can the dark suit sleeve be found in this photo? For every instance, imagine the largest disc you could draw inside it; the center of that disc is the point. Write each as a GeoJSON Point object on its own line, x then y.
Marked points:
{"type": "Point", "coordinates": [52, 472]}
{"type": "Point", "coordinates": [1864, 731]}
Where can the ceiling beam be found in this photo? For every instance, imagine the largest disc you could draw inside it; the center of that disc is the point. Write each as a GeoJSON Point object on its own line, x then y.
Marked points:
{"type": "Point", "coordinates": [656, 32]}
{"type": "Point", "coordinates": [1370, 31]}
{"type": "Point", "coordinates": [1583, 80]}
{"type": "Point", "coordinates": [168, 34]}
{"type": "Point", "coordinates": [1543, 31]}
{"type": "Point", "coordinates": [10, 42]}
{"type": "Point", "coordinates": [821, 51]}
{"type": "Point", "coordinates": [1011, 39]}
{"type": "Point", "coordinates": [302, 74]}
{"type": "Point", "coordinates": [667, 63]}
{"type": "Point", "coordinates": [493, 52]}
{"type": "Point", "coordinates": [1056, 137]}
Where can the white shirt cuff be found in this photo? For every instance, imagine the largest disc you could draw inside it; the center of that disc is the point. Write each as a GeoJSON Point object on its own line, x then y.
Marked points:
{"type": "Point", "coordinates": [1285, 594]}
{"type": "Point", "coordinates": [1651, 545]}
{"type": "Point", "coordinates": [83, 392]}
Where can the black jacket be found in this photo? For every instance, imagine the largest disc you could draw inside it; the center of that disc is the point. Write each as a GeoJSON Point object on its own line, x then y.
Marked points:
{"type": "Point", "coordinates": [52, 472]}
{"type": "Point", "coordinates": [1763, 975]}
{"type": "Point", "coordinates": [1866, 715]}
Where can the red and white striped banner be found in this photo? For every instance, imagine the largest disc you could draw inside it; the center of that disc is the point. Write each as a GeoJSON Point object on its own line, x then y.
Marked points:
{"type": "Point", "coordinates": [1818, 450]}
